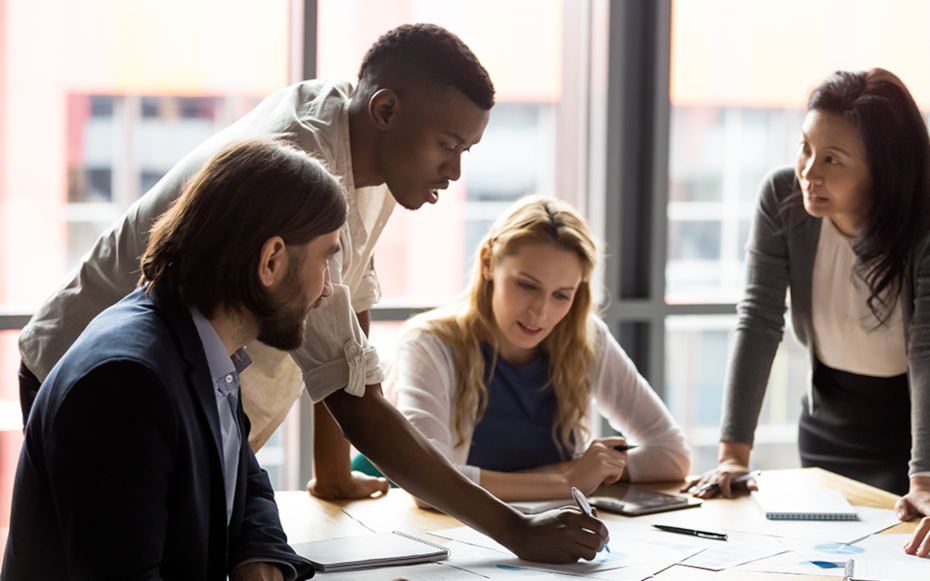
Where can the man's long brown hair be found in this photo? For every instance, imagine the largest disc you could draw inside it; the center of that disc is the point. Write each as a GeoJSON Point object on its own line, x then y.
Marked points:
{"type": "Point", "coordinates": [205, 248]}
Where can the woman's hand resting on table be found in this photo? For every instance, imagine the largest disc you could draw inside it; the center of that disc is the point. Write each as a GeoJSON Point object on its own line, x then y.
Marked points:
{"type": "Point", "coordinates": [600, 464]}
{"type": "Point", "coordinates": [913, 504]}
{"type": "Point", "coordinates": [733, 462]}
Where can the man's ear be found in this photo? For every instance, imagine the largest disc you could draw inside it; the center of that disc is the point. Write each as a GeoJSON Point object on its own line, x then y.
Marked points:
{"type": "Point", "coordinates": [486, 257]}
{"type": "Point", "coordinates": [272, 262]}
{"type": "Point", "coordinates": [383, 108]}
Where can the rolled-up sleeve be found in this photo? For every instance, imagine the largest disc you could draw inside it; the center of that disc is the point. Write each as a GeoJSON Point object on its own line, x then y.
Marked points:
{"type": "Point", "coordinates": [336, 354]}
{"type": "Point", "coordinates": [368, 292]}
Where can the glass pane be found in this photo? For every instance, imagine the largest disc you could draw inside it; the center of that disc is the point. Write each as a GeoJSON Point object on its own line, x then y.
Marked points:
{"type": "Point", "coordinates": [97, 100]}
{"type": "Point", "coordinates": [696, 350]}
{"type": "Point", "coordinates": [738, 92]}
{"type": "Point", "coordinates": [385, 335]}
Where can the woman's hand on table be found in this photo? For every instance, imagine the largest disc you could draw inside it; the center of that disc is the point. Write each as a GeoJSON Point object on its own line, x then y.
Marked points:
{"type": "Point", "coordinates": [916, 502]}
{"type": "Point", "coordinates": [920, 543]}
{"type": "Point", "coordinates": [600, 464]}
{"type": "Point", "coordinates": [913, 504]}
{"type": "Point", "coordinates": [733, 462]}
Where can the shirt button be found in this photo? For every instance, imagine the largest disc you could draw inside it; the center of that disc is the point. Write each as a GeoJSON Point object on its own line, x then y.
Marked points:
{"type": "Point", "coordinates": [229, 378]}
{"type": "Point", "coordinates": [353, 349]}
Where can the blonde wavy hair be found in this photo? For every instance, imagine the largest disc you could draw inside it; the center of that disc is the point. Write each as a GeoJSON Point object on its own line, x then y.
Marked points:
{"type": "Point", "coordinates": [531, 220]}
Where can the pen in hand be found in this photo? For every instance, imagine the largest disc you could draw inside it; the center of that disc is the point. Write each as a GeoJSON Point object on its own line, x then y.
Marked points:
{"type": "Point", "coordinates": [582, 503]}
{"type": "Point", "coordinates": [625, 447]}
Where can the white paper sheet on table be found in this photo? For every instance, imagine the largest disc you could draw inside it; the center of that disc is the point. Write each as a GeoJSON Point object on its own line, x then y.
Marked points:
{"type": "Point", "coordinates": [496, 565]}
{"type": "Point", "coordinates": [486, 562]}
{"type": "Point", "coordinates": [872, 570]}
{"type": "Point", "coordinates": [728, 554]}
{"type": "Point", "coordinates": [630, 544]}
{"type": "Point", "coordinates": [871, 520]}
{"type": "Point", "coordinates": [794, 563]}
{"type": "Point", "coordinates": [626, 550]}
{"type": "Point", "coordinates": [875, 547]}
{"type": "Point", "coordinates": [470, 536]}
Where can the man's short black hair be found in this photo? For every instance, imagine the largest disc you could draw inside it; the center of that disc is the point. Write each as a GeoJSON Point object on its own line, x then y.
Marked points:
{"type": "Point", "coordinates": [430, 54]}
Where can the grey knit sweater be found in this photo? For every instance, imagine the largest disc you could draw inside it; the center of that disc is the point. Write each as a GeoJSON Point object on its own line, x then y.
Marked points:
{"type": "Point", "coordinates": [780, 254]}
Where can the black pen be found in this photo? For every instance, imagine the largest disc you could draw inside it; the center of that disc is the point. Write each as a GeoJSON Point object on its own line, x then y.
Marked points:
{"type": "Point", "coordinates": [692, 532]}
{"type": "Point", "coordinates": [625, 447]}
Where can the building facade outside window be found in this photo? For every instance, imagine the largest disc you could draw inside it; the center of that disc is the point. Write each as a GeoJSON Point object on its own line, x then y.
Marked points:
{"type": "Point", "coordinates": [97, 100]}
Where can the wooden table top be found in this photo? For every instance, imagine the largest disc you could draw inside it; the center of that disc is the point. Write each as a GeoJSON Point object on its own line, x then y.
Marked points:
{"type": "Point", "coordinates": [306, 518]}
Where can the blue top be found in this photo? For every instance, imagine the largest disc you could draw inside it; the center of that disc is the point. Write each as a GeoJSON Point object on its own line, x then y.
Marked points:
{"type": "Point", "coordinates": [515, 432]}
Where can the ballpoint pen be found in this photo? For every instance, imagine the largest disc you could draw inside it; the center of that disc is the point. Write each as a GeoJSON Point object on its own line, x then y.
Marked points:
{"type": "Point", "coordinates": [692, 532]}
{"type": "Point", "coordinates": [625, 447]}
{"type": "Point", "coordinates": [582, 503]}
{"type": "Point", "coordinates": [738, 479]}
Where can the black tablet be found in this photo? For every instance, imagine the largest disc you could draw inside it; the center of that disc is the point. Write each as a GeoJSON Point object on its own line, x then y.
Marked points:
{"type": "Point", "coordinates": [630, 500]}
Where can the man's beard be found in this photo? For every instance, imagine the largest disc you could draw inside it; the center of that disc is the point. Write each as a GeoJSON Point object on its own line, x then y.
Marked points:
{"type": "Point", "coordinates": [284, 329]}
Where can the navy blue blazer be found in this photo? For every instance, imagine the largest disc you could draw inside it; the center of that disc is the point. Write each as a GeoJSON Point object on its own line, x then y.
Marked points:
{"type": "Point", "coordinates": [120, 474]}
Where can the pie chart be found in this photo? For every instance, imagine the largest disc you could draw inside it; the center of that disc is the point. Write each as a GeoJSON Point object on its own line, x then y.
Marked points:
{"type": "Point", "coordinates": [839, 549]}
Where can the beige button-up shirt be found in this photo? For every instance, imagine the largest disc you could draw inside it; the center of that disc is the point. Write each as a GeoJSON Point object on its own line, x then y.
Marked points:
{"type": "Point", "coordinates": [336, 353]}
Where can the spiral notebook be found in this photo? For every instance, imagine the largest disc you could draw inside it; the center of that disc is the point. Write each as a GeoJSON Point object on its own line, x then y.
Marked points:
{"type": "Point", "coordinates": [369, 551]}
{"type": "Point", "coordinates": [805, 505]}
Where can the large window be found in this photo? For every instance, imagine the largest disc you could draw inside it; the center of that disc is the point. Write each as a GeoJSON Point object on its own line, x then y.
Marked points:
{"type": "Point", "coordinates": [423, 258]}
{"type": "Point", "coordinates": [98, 99]}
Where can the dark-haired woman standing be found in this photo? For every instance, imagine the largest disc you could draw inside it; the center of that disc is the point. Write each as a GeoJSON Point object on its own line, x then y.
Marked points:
{"type": "Point", "coordinates": [847, 231]}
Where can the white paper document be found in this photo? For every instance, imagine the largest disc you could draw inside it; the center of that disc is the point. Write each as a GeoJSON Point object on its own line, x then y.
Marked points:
{"type": "Point", "coordinates": [727, 554]}
{"type": "Point", "coordinates": [871, 520]}
{"type": "Point", "coordinates": [487, 562]}
{"type": "Point", "coordinates": [630, 544]}
{"type": "Point", "coordinates": [470, 536]}
{"type": "Point", "coordinates": [794, 563]}
{"type": "Point", "coordinates": [492, 564]}
{"type": "Point", "coordinates": [869, 570]}
{"type": "Point", "coordinates": [875, 547]}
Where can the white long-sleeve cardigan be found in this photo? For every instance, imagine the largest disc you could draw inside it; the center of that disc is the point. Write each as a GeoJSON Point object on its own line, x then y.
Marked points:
{"type": "Point", "coordinates": [426, 386]}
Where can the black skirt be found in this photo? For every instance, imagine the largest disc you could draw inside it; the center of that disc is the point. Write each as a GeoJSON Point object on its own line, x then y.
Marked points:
{"type": "Point", "coordinates": [860, 428]}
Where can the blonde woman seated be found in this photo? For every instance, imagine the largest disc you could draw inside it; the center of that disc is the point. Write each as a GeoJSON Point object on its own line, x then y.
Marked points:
{"type": "Point", "coordinates": [502, 382]}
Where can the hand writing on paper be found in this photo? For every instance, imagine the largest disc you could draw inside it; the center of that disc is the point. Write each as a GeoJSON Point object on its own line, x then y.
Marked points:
{"type": "Point", "coordinates": [559, 536]}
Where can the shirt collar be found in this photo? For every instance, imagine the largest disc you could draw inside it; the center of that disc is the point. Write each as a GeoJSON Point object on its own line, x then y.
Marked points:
{"type": "Point", "coordinates": [218, 359]}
